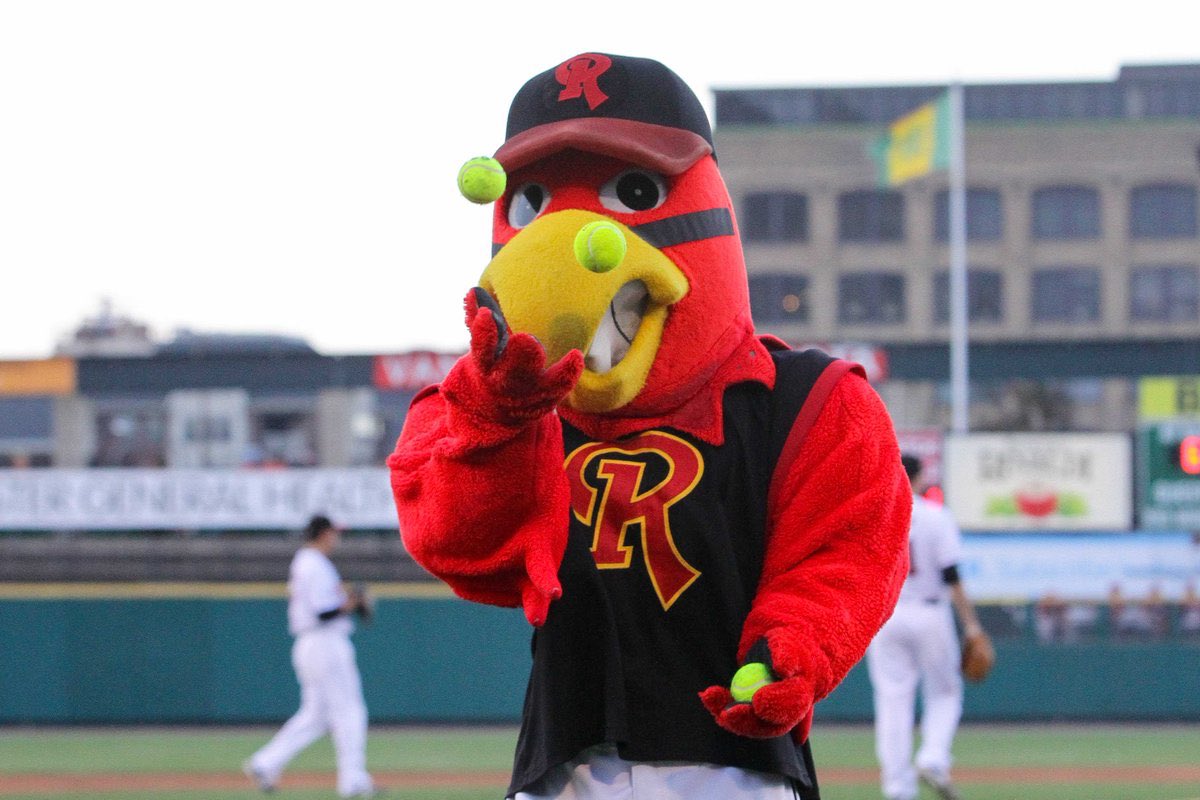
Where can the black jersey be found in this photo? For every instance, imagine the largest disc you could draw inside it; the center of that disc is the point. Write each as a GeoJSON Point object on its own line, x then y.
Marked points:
{"type": "Point", "coordinates": [662, 562]}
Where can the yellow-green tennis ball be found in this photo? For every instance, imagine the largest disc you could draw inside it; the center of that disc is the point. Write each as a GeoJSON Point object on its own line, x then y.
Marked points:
{"type": "Point", "coordinates": [600, 246]}
{"type": "Point", "coordinates": [748, 680]}
{"type": "Point", "coordinates": [482, 180]}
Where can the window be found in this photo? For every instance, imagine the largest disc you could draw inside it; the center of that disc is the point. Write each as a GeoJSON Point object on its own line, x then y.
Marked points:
{"type": "Point", "coordinates": [1169, 293]}
{"type": "Point", "coordinates": [984, 221]}
{"type": "Point", "coordinates": [775, 217]}
{"type": "Point", "coordinates": [27, 418]}
{"type": "Point", "coordinates": [779, 298]}
{"type": "Point", "coordinates": [984, 296]}
{"type": "Point", "coordinates": [205, 429]}
{"type": "Point", "coordinates": [871, 298]}
{"type": "Point", "coordinates": [1162, 211]}
{"type": "Point", "coordinates": [130, 435]}
{"type": "Point", "coordinates": [1066, 212]}
{"type": "Point", "coordinates": [871, 215]}
{"type": "Point", "coordinates": [282, 437]}
{"type": "Point", "coordinates": [1066, 294]}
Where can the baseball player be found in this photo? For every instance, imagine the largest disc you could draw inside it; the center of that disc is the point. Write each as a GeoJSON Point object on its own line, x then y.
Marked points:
{"type": "Point", "coordinates": [320, 613]}
{"type": "Point", "coordinates": [919, 644]}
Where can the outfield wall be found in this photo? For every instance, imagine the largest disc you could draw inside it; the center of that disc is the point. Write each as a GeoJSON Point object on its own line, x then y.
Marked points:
{"type": "Point", "coordinates": [169, 655]}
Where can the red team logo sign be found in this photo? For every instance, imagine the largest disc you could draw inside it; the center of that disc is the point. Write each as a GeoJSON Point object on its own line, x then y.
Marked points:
{"type": "Point", "coordinates": [614, 500]}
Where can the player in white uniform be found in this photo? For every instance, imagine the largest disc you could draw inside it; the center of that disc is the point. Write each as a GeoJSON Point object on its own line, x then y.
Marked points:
{"type": "Point", "coordinates": [331, 699]}
{"type": "Point", "coordinates": [919, 644]}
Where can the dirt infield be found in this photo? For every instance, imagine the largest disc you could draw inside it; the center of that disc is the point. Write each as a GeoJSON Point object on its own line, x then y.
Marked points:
{"type": "Point", "coordinates": [14, 784]}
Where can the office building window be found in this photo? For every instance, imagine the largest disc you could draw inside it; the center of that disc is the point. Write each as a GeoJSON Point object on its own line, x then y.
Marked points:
{"type": "Point", "coordinates": [778, 297]}
{"type": "Point", "coordinates": [1166, 293]}
{"type": "Point", "coordinates": [984, 296]}
{"type": "Point", "coordinates": [984, 221]}
{"type": "Point", "coordinates": [1162, 211]}
{"type": "Point", "coordinates": [1066, 294]}
{"type": "Point", "coordinates": [775, 217]}
{"type": "Point", "coordinates": [870, 216]}
{"type": "Point", "coordinates": [1066, 212]}
{"type": "Point", "coordinates": [871, 298]}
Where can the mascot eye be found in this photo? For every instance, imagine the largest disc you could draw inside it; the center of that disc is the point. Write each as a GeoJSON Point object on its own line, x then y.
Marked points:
{"type": "Point", "coordinates": [633, 191]}
{"type": "Point", "coordinates": [527, 202]}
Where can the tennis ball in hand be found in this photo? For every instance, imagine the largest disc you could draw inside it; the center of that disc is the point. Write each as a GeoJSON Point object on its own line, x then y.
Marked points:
{"type": "Point", "coordinates": [482, 180]}
{"type": "Point", "coordinates": [600, 246]}
{"type": "Point", "coordinates": [748, 680]}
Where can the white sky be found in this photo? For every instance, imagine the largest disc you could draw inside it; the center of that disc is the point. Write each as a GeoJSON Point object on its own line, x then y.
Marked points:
{"type": "Point", "coordinates": [289, 167]}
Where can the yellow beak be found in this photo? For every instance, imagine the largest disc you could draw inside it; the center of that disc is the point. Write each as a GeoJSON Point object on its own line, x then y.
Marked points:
{"type": "Point", "coordinates": [543, 290]}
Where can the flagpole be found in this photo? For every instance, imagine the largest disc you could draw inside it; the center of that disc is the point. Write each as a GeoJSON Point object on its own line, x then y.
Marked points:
{"type": "Point", "coordinates": [959, 369]}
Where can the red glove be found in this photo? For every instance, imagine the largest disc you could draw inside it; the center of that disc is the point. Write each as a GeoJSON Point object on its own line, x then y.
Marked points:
{"type": "Point", "coordinates": [493, 434]}
{"type": "Point", "coordinates": [503, 385]}
{"type": "Point", "coordinates": [774, 710]}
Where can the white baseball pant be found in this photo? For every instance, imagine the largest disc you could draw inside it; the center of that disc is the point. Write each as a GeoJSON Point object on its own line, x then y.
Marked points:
{"type": "Point", "coordinates": [917, 645]}
{"type": "Point", "coordinates": [331, 701]}
{"type": "Point", "coordinates": [600, 774]}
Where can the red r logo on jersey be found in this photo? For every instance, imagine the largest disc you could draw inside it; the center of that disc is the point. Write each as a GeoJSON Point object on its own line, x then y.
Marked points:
{"type": "Point", "coordinates": [615, 500]}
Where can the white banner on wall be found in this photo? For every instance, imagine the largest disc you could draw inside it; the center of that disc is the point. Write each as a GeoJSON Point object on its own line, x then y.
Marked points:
{"type": "Point", "coordinates": [1040, 481]}
{"type": "Point", "coordinates": [193, 499]}
{"type": "Point", "coordinates": [1079, 566]}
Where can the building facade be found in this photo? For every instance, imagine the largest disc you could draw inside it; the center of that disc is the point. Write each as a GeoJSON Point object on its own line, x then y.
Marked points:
{"type": "Point", "coordinates": [1083, 240]}
{"type": "Point", "coordinates": [216, 408]}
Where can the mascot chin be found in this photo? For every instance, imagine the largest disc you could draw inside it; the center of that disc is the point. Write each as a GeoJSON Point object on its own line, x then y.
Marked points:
{"type": "Point", "coordinates": [704, 528]}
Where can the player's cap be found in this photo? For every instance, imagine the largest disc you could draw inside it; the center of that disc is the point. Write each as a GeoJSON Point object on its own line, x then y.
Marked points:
{"type": "Point", "coordinates": [912, 465]}
{"type": "Point", "coordinates": [317, 525]}
{"type": "Point", "coordinates": [635, 109]}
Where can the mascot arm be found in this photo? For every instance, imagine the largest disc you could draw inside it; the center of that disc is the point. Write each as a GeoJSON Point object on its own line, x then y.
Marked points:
{"type": "Point", "coordinates": [835, 560]}
{"type": "Point", "coordinates": [477, 474]}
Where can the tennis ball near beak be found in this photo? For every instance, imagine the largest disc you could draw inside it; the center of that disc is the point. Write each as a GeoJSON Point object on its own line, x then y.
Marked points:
{"type": "Point", "coordinates": [600, 246]}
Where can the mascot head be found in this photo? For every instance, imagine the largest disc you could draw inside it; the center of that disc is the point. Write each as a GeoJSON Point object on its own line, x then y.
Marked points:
{"type": "Point", "coordinates": [661, 310]}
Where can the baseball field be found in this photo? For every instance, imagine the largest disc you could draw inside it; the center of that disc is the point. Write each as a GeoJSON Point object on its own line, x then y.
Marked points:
{"type": "Point", "coordinates": [994, 762]}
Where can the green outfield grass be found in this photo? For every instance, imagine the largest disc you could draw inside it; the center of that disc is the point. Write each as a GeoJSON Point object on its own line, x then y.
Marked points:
{"type": "Point", "coordinates": [844, 755]}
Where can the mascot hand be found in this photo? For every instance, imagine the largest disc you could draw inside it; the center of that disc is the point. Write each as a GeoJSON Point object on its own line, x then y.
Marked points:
{"type": "Point", "coordinates": [775, 709]}
{"type": "Point", "coordinates": [540, 586]}
{"type": "Point", "coordinates": [504, 379]}
{"type": "Point", "coordinates": [764, 706]}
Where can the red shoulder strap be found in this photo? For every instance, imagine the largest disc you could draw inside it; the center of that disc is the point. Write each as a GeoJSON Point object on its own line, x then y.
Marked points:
{"type": "Point", "coordinates": [805, 419]}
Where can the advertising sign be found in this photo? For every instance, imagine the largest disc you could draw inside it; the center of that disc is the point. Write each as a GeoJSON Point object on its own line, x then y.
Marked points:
{"type": "Point", "coordinates": [1169, 475]}
{"type": "Point", "coordinates": [411, 371]}
{"type": "Point", "coordinates": [52, 376]}
{"type": "Point", "coordinates": [193, 499]}
{"type": "Point", "coordinates": [1040, 481]}
{"type": "Point", "coordinates": [1079, 566]}
{"type": "Point", "coordinates": [1162, 398]}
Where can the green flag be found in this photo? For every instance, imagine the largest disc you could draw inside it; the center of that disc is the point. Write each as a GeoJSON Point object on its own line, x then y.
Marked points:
{"type": "Point", "coordinates": [915, 144]}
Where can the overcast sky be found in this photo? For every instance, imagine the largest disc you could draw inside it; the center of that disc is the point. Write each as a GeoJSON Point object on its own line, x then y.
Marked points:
{"type": "Point", "coordinates": [289, 167]}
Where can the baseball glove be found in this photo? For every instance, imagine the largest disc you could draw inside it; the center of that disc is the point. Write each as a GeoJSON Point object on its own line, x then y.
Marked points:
{"type": "Point", "coordinates": [978, 657]}
{"type": "Point", "coordinates": [365, 608]}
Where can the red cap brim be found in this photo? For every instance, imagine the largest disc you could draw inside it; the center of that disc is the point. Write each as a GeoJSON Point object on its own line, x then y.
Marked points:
{"type": "Point", "coordinates": [668, 150]}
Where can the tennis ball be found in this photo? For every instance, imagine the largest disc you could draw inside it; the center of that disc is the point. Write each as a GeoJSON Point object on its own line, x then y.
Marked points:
{"type": "Point", "coordinates": [600, 246]}
{"type": "Point", "coordinates": [748, 680]}
{"type": "Point", "coordinates": [482, 180]}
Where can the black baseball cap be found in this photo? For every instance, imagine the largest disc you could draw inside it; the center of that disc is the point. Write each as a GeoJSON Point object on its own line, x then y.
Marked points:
{"type": "Point", "coordinates": [635, 109]}
{"type": "Point", "coordinates": [318, 524]}
{"type": "Point", "coordinates": [912, 465]}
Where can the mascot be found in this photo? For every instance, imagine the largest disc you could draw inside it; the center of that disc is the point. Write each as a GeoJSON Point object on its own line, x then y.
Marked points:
{"type": "Point", "coordinates": [704, 528]}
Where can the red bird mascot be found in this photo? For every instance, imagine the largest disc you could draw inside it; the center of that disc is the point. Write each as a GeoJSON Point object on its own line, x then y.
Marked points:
{"type": "Point", "coordinates": [668, 495]}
